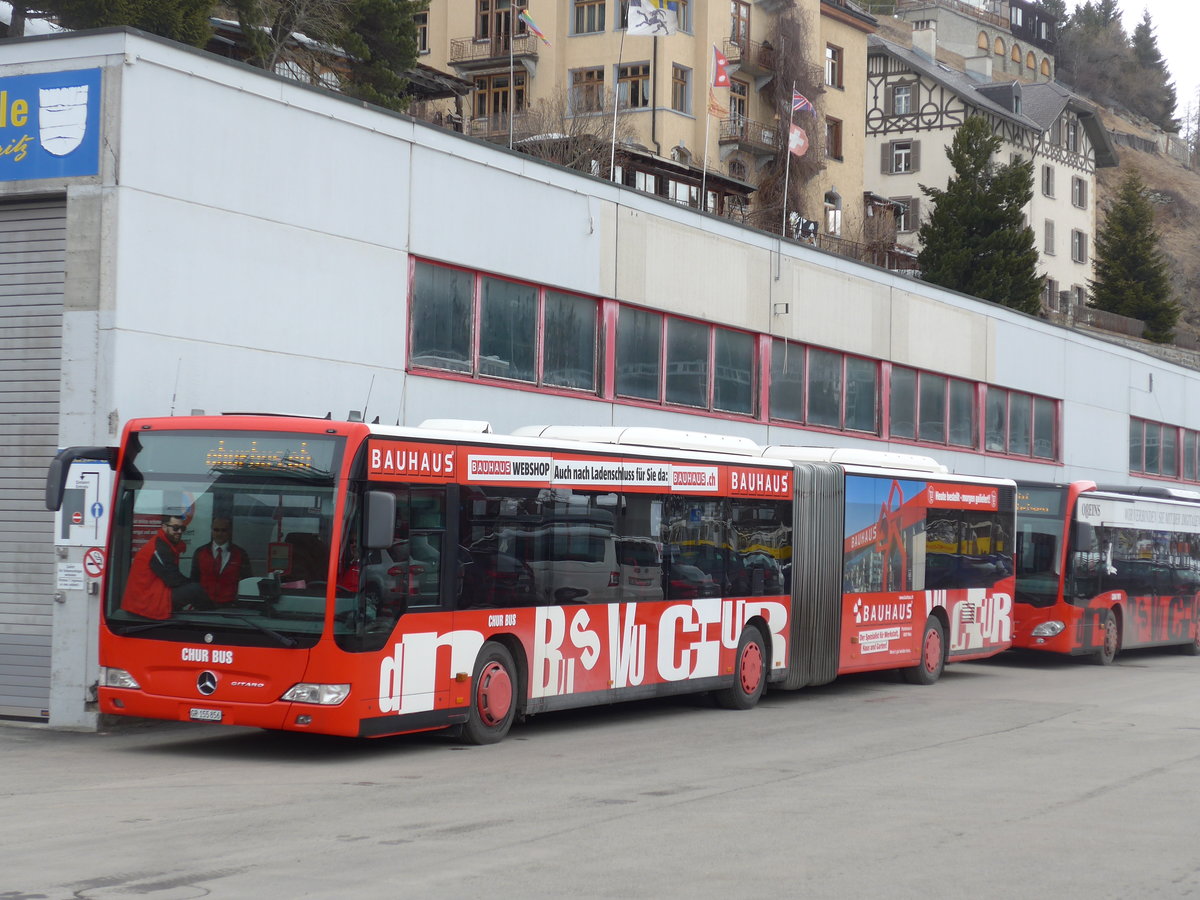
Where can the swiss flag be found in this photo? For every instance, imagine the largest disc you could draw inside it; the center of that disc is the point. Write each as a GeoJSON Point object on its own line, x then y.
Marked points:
{"type": "Point", "coordinates": [720, 68]}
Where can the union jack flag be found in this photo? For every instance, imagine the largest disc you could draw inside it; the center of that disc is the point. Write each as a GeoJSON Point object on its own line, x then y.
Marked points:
{"type": "Point", "coordinates": [800, 103]}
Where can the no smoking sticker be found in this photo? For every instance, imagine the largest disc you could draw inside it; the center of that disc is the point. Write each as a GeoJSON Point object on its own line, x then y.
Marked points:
{"type": "Point", "coordinates": [93, 562]}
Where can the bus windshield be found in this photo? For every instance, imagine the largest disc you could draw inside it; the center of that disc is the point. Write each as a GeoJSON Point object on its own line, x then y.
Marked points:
{"type": "Point", "coordinates": [1039, 530]}
{"type": "Point", "coordinates": [223, 537]}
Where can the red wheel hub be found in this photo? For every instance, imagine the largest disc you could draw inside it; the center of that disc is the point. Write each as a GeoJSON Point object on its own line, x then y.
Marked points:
{"type": "Point", "coordinates": [750, 667]}
{"type": "Point", "coordinates": [494, 696]}
{"type": "Point", "coordinates": [933, 651]}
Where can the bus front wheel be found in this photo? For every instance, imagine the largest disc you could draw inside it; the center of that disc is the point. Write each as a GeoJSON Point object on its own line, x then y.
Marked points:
{"type": "Point", "coordinates": [493, 696]}
{"type": "Point", "coordinates": [1110, 640]}
{"type": "Point", "coordinates": [749, 673]}
{"type": "Point", "coordinates": [933, 655]}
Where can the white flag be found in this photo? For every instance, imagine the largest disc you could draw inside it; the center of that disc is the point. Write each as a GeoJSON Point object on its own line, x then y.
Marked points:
{"type": "Point", "coordinates": [647, 17]}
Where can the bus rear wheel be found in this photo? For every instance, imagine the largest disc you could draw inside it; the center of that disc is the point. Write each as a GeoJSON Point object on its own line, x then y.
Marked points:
{"type": "Point", "coordinates": [1110, 643]}
{"type": "Point", "coordinates": [933, 655]}
{"type": "Point", "coordinates": [749, 673]}
{"type": "Point", "coordinates": [493, 696]}
{"type": "Point", "coordinates": [1192, 647]}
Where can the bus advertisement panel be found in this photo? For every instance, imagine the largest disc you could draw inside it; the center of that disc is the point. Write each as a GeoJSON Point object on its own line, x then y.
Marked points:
{"type": "Point", "coordinates": [927, 563]}
{"type": "Point", "coordinates": [362, 580]}
{"type": "Point", "coordinates": [1101, 570]}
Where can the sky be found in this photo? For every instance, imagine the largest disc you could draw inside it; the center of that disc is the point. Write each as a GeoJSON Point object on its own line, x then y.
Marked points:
{"type": "Point", "coordinates": [1176, 28]}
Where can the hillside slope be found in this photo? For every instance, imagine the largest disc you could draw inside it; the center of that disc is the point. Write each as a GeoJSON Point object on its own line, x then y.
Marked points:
{"type": "Point", "coordinates": [1175, 192]}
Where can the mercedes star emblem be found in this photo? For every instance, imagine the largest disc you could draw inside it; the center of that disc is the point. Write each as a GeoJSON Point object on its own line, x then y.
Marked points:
{"type": "Point", "coordinates": [206, 683]}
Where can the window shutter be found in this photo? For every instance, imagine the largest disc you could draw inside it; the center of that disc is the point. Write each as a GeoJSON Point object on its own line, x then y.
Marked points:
{"type": "Point", "coordinates": [916, 156]}
{"type": "Point", "coordinates": [885, 162]}
{"type": "Point", "coordinates": [1083, 200]}
{"type": "Point", "coordinates": [889, 100]}
{"type": "Point", "coordinates": [914, 213]}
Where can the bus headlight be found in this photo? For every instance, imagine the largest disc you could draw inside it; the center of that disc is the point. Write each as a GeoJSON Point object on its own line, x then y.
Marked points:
{"type": "Point", "coordinates": [322, 694]}
{"type": "Point", "coordinates": [1048, 629]}
{"type": "Point", "coordinates": [110, 677]}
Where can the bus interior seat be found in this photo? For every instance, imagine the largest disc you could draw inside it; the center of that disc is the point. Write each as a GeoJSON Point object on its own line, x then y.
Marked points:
{"type": "Point", "coordinates": [310, 556]}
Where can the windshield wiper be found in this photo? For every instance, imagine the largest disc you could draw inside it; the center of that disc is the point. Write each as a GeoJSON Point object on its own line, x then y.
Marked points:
{"type": "Point", "coordinates": [245, 617]}
{"type": "Point", "coordinates": [282, 638]}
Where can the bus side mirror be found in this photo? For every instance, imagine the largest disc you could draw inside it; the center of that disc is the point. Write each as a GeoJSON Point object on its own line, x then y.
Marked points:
{"type": "Point", "coordinates": [56, 475]}
{"type": "Point", "coordinates": [381, 520]}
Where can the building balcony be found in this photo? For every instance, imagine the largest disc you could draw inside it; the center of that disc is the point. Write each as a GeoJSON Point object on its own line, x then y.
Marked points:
{"type": "Point", "coordinates": [749, 136]}
{"type": "Point", "coordinates": [750, 57]}
{"type": "Point", "coordinates": [496, 128]}
{"type": "Point", "coordinates": [472, 55]}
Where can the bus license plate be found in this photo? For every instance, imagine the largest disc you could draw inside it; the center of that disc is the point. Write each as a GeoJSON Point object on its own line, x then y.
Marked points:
{"type": "Point", "coordinates": [205, 715]}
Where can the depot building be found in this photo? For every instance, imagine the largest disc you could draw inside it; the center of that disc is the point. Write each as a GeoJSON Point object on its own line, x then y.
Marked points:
{"type": "Point", "coordinates": [181, 233]}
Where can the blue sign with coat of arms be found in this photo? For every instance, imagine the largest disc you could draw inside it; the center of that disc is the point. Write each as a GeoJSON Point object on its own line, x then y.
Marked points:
{"type": "Point", "coordinates": [50, 125]}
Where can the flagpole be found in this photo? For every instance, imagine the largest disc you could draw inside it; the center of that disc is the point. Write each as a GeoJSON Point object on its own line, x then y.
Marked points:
{"type": "Point", "coordinates": [787, 157]}
{"type": "Point", "coordinates": [612, 153]}
{"type": "Point", "coordinates": [707, 124]}
{"type": "Point", "coordinates": [512, 88]}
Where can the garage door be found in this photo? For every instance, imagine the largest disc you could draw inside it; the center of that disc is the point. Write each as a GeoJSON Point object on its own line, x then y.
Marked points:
{"type": "Point", "coordinates": [32, 267]}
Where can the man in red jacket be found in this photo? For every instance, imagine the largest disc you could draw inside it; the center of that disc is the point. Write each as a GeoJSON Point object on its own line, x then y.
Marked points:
{"type": "Point", "coordinates": [220, 564]}
{"type": "Point", "coordinates": [156, 587]}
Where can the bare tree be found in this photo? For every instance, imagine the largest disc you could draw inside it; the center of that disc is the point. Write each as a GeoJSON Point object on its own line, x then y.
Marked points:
{"type": "Point", "coordinates": [582, 140]}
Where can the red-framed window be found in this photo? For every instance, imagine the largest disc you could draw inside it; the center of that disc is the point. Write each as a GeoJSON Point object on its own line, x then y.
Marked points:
{"type": "Point", "coordinates": [823, 388]}
{"type": "Point", "coordinates": [682, 362]}
{"type": "Point", "coordinates": [486, 326]}
{"type": "Point", "coordinates": [1156, 448]}
{"type": "Point", "coordinates": [476, 325]}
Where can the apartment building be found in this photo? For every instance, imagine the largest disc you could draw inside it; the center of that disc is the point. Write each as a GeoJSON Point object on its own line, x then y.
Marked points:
{"type": "Point", "coordinates": [917, 98]}
{"type": "Point", "coordinates": [672, 134]}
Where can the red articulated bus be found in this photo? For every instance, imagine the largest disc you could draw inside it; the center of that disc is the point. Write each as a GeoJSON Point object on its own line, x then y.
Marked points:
{"type": "Point", "coordinates": [408, 579]}
{"type": "Point", "coordinates": [1102, 569]}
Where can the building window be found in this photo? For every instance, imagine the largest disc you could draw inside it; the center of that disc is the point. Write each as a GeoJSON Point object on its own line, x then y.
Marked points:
{"type": "Point", "coordinates": [1015, 56]}
{"type": "Point", "coordinates": [633, 86]}
{"type": "Point", "coordinates": [1048, 181]}
{"type": "Point", "coordinates": [525, 333]}
{"type": "Point", "coordinates": [1030, 61]}
{"type": "Point", "coordinates": [1079, 192]}
{"type": "Point", "coordinates": [706, 367]}
{"type": "Point", "coordinates": [1153, 448]}
{"type": "Point", "coordinates": [683, 15]}
{"type": "Point", "coordinates": [737, 169]}
{"type": "Point", "coordinates": [907, 217]}
{"type": "Point", "coordinates": [833, 66]}
{"type": "Point", "coordinates": [681, 89]}
{"type": "Point", "coordinates": [1050, 294]}
{"type": "Point", "coordinates": [822, 388]}
{"type": "Point", "coordinates": [982, 41]}
{"type": "Point", "coordinates": [1073, 135]}
{"type": "Point", "coordinates": [421, 20]}
{"type": "Point", "coordinates": [1020, 424]}
{"type": "Point", "coordinates": [902, 99]}
{"type": "Point", "coordinates": [833, 213]}
{"type": "Point", "coordinates": [493, 18]}
{"type": "Point", "coordinates": [645, 181]}
{"type": "Point", "coordinates": [739, 99]}
{"type": "Point", "coordinates": [587, 91]}
{"type": "Point", "coordinates": [833, 137]}
{"type": "Point", "coordinates": [739, 22]}
{"type": "Point", "coordinates": [900, 157]}
{"type": "Point", "coordinates": [1079, 246]}
{"type": "Point", "coordinates": [1046, 67]}
{"type": "Point", "coordinates": [493, 95]}
{"type": "Point", "coordinates": [999, 46]}
{"type": "Point", "coordinates": [589, 16]}
{"type": "Point", "coordinates": [1048, 244]}
{"type": "Point", "coordinates": [1080, 294]}
{"type": "Point", "coordinates": [931, 408]}
{"type": "Point", "coordinates": [683, 192]}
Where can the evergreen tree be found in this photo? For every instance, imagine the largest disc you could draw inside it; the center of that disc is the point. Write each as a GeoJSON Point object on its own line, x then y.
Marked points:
{"type": "Point", "coordinates": [1131, 274]}
{"type": "Point", "coordinates": [381, 38]}
{"type": "Point", "coordinates": [1152, 92]}
{"type": "Point", "coordinates": [371, 43]}
{"type": "Point", "coordinates": [976, 240]}
{"type": "Point", "coordinates": [186, 21]}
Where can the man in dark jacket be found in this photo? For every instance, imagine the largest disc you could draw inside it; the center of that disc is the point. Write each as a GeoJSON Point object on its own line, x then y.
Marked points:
{"type": "Point", "coordinates": [156, 586]}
